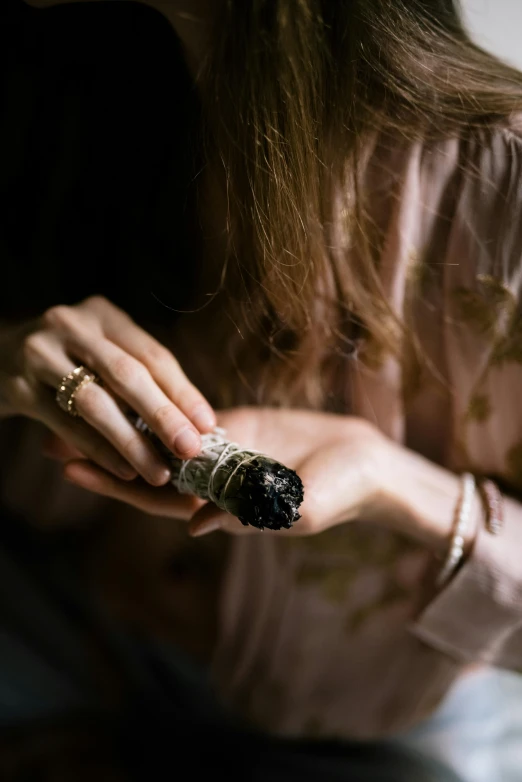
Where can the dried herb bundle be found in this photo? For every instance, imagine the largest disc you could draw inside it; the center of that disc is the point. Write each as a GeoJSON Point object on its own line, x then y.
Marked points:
{"type": "Point", "coordinates": [251, 486]}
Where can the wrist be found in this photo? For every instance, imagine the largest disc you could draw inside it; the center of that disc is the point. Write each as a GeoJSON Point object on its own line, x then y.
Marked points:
{"type": "Point", "coordinates": [419, 499]}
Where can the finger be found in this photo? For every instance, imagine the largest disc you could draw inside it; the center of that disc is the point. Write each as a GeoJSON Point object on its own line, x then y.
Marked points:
{"type": "Point", "coordinates": [99, 409]}
{"type": "Point", "coordinates": [83, 438]}
{"type": "Point", "coordinates": [131, 381]}
{"type": "Point", "coordinates": [48, 363]}
{"type": "Point", "coordinates": [55, 448]}
{"type": "Point", "coordinates": [210, 518]}
{"type": "Point", "coordinates": [120, 329]}
{"type": "Point", "coordinates": [45, 359]}
{"type": "Point", "coordinates": [127, 376]}
{"type": "Point", "coordinates": [164, 501]}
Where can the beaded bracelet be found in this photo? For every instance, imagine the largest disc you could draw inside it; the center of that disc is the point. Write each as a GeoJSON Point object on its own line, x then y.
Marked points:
{"type": "Point", "coordinates": [462, 522]}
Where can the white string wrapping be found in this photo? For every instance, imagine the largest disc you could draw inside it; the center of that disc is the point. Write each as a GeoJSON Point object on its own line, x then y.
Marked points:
{"type": "Point", "coordinates": [217, 456]}
{"type": "Point", "coordinates": [209, 475]}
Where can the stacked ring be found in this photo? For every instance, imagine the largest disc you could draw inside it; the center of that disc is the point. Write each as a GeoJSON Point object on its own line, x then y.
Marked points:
{"type": "Point", "coordinates": [70, 385]}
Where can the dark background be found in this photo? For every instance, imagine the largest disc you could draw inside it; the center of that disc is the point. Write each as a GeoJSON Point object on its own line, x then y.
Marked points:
{"type": "Point", "coordinates": [98, 120]}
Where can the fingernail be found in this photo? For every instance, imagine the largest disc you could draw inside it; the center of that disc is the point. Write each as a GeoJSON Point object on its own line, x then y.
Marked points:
{"type": "Point", "coordinates": [160, 475]}
{"type": "Point", "coordinates": [187, 442]}
{"type": "Point", "coordinates": [206, 527]}
{"type": "Point", "coordinates": [203, 419]}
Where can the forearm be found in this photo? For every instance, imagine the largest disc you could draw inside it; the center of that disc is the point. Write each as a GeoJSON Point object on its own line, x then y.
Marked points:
{"type": "Point", "coordinates": [477, 616]}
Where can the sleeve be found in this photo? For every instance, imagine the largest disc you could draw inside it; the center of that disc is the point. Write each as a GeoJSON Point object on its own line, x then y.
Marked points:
{"type": "Point", "coordinates": [478, 615]}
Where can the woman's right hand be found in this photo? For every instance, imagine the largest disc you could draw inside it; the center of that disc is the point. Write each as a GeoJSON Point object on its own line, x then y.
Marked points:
{"type": "Point", "coordinates": [136, 370]}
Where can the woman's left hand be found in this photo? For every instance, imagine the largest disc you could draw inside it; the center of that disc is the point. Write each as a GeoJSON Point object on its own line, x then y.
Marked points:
{"type": "Point", "coordinates": [338, 458]}
{"type": "Point", "coordinates": [350, 471]}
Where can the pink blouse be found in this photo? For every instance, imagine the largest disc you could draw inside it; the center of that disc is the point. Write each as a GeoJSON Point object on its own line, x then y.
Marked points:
{"type": "Point", "coordinates": [324, 636]}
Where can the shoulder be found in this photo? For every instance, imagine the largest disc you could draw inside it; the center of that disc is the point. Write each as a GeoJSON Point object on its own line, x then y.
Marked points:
{"type": "Point", "coordinates": [484, 169]}
{"type": "Point", "coordinates": [482, 258]}
{"type": "Point", "coordinates": [490, 159]}
{"type": "Point", "coordinates": [483, 297]}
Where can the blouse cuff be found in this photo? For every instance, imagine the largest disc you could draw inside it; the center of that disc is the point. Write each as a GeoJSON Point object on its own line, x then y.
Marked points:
{"type": "Point", "coordinates": [476, 615]}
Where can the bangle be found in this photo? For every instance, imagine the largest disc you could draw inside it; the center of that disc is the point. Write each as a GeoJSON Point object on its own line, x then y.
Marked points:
{"type": "Point", "coordinates": [492, 499]}
{"type": "Point", "coordinates": [462, 520]}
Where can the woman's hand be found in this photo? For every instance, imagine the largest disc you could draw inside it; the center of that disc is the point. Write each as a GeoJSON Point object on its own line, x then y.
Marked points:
{"type": "Point", "coordinates": [350, 471]}
{"type": "Point", "coordinates": [136, 372]}
{"type": "Point", "coordinates": [335, 457]}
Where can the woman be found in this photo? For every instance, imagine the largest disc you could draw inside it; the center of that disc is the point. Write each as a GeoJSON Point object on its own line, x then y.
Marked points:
{"type": "Point", "coordinates": [354, 205]}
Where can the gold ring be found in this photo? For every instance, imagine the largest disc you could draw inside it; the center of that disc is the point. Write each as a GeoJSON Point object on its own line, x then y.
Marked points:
{"type": "Point", "coordinates": [69, 387]}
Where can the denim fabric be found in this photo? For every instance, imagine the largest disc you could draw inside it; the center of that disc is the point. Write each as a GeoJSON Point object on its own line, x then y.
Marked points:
{"type": "Point", "coordinates": [477, 730]}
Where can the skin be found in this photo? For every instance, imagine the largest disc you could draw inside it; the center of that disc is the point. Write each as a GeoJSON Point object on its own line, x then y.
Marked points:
{"type": "Point", "coordinates": [350, 470]}
{"type": "Point", "coordinates": [135, 370]}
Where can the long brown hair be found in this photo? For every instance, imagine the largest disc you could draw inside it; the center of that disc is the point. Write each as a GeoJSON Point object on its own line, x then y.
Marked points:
{"type": "Point", "coordinates": [294, 93]}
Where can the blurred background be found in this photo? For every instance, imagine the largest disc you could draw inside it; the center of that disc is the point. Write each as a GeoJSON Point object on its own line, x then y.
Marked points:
{"type": "Point", "coordinates": [497, 26]}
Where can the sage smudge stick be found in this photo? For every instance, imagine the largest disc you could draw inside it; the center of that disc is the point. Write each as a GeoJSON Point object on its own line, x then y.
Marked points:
{"type": "Point", "coordinates": [256, 489]}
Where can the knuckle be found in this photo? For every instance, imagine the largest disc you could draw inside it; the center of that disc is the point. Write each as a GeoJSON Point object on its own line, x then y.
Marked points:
{"type": "Point", "coordinates": [60, 316]}
{"type": "Point", "coordinates": [176, 366]}
{"type": "Point", "coordinates": [188, 397]}
{"type": "Point", "coordinates": [126, 371]}
{"type": "Point", "coordinates": [165, 418]}
{"type": "Point", "coordinates": [33, 346]}
{"type": "Point", "coordinates": [102, 307]}
{"type": "Point", "coordinates": [157, 356]}
{"type": "Point", "coordinates": [89, 403]}
{"type": "Point", "coordinates": [96, 302]}
{"type": "Point", "coordinates": [130, 448]}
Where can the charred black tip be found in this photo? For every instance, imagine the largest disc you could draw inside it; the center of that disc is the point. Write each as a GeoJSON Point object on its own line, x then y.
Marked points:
{"type": "Point", "coordinates": [271, 495]}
